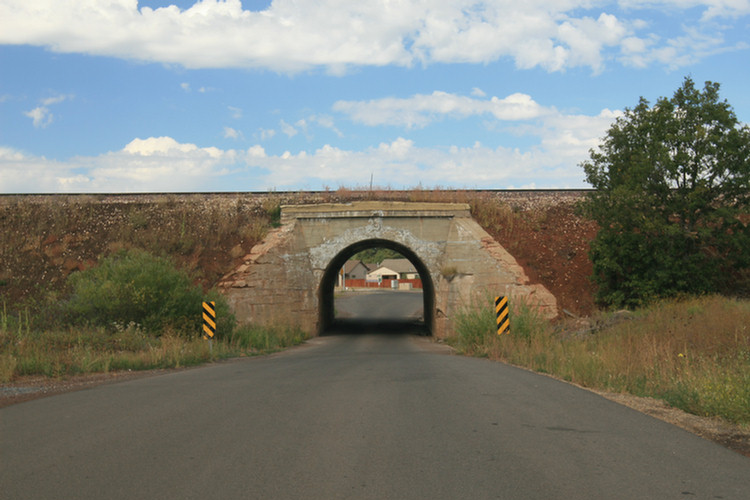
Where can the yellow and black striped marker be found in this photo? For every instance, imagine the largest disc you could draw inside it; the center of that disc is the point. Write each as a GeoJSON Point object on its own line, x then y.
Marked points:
{"type": "Point", "coordinates": [209, 320]}
{"type": "Point", "coordinates": [501, 310]}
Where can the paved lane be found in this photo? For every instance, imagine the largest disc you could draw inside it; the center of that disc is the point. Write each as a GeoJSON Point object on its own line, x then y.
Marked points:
{"type": "Point", "coordinates": [380, 305]}
{"type": "Point", "coordinates": [359, 416]}
{"type": "Point", "coordinates": [368, 312]}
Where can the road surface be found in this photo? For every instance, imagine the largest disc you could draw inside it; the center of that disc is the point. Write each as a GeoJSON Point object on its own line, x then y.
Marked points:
{"type": "Point", "coordinates": [379, 305]}
{"type": "Point", "coordinates": [353, 417]}
{"type": "Point", "coordinates": [381, 311]}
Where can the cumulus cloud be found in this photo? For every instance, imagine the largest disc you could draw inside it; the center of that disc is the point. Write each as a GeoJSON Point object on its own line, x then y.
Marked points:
{"type": "Point", "coordinates": [144, 165]}
{"type": "Point", "coordinates": [24, 173]}
{"type": "Point", "coordinates": [559, 143]}
{"type": "Point", "coordinates": [402, 164]}
{"type": "Point", "coordinates": [290, 36]}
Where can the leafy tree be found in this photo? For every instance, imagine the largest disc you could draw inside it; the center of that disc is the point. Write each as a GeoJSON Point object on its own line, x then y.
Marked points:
{"type": "Point", "coordinates": [376, 255]}
{"type": "Point", "coordinates": [672, 186]}
{"type": "Point", "coordinates": [133, 286]}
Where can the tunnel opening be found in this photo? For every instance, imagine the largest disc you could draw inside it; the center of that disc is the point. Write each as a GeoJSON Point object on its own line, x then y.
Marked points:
{"type": "Point", "coordinates": [334, 283]}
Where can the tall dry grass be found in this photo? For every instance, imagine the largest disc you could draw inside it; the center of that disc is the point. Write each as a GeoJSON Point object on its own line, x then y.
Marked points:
{"type": "Point", "coordinates": [71, 351]}
{"type": "Point", "coordinates": [64, 351]}
{"type": "Point", "coordinates": [693, 353]}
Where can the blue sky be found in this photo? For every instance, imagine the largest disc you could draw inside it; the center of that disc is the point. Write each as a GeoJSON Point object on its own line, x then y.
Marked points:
{"type": "Point", "coordinates": [171, 96]}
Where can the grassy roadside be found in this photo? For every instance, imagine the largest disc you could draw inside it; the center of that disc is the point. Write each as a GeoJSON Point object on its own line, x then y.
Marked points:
{"type": "Point", "coordinates": [75, 351]}
{"type": "Point", "coordinates": [692, 353]}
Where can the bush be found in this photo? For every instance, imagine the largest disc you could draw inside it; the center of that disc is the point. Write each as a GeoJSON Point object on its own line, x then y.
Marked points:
{"type": "Point", "coordinates": [671, 198]}
{"type": "Point", "coordinates": [135, 287]}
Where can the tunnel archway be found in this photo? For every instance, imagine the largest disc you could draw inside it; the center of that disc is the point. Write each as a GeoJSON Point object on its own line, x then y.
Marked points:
{"type": "Point", "coordinates": [326, 313]}
{"type": "Point", "coordinates": [289, 277]}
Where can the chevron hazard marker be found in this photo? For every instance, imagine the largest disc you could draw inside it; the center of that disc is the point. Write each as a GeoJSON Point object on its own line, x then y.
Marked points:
{"type": "Point", "coordinates": [501, 310]}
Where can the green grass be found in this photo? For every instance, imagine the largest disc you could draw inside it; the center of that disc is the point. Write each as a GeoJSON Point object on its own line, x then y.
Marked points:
{"type": "Point", "coordinates": [257, 339]}
{"type": "Point", "coordinates": [692, 353]}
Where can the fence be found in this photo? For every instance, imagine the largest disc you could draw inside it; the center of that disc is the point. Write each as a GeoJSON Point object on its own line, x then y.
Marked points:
{"type": "Point", "coordinates": [386, 283]}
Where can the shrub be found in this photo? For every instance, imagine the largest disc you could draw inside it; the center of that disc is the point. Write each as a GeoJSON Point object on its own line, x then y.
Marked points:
{"type": "Point", "coordinates": [135, 287]}
{"type": "Point", "coordinates": [671, 197]}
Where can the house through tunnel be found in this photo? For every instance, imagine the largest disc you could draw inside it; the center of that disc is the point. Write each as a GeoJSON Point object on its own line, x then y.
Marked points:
{"type": "Point", "coordinates": [392, 296]}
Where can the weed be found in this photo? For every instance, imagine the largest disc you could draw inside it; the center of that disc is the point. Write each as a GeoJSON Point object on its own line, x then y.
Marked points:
{"type": "Point", "coordinates": [272, 207]}
{"type": "Point", "coordinates": [80, 350]}
{"type": "Point", "coordinates": [255, 338]}
{"type": "Point", "coordinates": [449, 272]}
{"type": "Point", "coordinates": [7, 367]}
{"type": "Point", "coordinates": [138, 219]}
{"type": "Point", "coordinates": [692, 353]}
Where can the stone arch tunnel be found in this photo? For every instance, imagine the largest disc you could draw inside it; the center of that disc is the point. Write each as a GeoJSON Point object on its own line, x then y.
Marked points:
{"type": "Point", "coordinates": [289, 277]}
{"type": "Point", "coordinates": [328, 281]}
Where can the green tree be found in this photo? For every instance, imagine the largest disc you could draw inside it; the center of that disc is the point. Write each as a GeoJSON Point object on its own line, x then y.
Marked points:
{"type": "Point", "coordinates": [376, 255]}
{"type": "Point", "coordinates": [672, 185]}
{"type": "Point", "coordinates": [134, 286]}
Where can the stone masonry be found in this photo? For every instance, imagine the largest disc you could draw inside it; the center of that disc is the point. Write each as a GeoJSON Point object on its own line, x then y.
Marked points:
{"type": "Point", "coordinates": [289, 277]}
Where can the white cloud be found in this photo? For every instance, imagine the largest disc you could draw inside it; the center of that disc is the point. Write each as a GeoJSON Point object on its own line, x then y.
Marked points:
{"type": "Point", "coordinates": [23, 173]}
{"type": "Point", "coordinates": [143, 165]}
{"type": "Point", "coordinates": [676, 52]}
{"type": "Point", "coordinates": [152, 164]}
{"type": "Point", "coordinates": [256, 152]}
{"type": "Point", "coordinates": [165, 164]}
{"type": "Point", "coordinates": [401, 163]}
{"type": "Point", "coordinates": [230, 133]}
{"type": "Point", "coordinates": [235, 112]}
{"type": "Point", "coordinates": [307, 125]}
{"type": "Point", "coordinates": [587, 37]}
{"type": "Point", "coordinates": [42, 116]}
{"type": "Point", "coordinates": [291, 36]}
{"type": "Point", "coordinates": [154, 146]}
{"type": "Point", "coordinates": [326, 122]}
{"type": "Point", "coordinates": [420, 110]}
{"type": "Point", "coordinates": [711, 8]}
{"type": "Point", "coordinates": [266, 134]}
{"type": "Point", "coordinates": [49, 101]}
{"type": "Point", "coordinates": [289, 130]}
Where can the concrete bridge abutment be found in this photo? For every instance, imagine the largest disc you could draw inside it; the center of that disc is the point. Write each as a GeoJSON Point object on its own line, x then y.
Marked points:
{"type": "Point", "coordinates": [289, 278]}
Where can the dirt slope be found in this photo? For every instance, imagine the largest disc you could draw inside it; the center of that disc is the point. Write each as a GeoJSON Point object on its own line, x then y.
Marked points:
{"type": "Point", "coordinates": [45, 238]}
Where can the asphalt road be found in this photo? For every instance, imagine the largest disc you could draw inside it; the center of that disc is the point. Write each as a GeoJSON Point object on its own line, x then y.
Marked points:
{"type": "Point", "coordinates": [353, 417]}
{"type": "Point", "coordinates": [378, 312]}
{"type": "Point", "coordinates": [380, 305]}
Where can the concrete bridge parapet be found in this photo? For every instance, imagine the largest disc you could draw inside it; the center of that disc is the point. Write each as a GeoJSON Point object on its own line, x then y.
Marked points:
{"type": "Point", "coordinates": [290, 276]}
